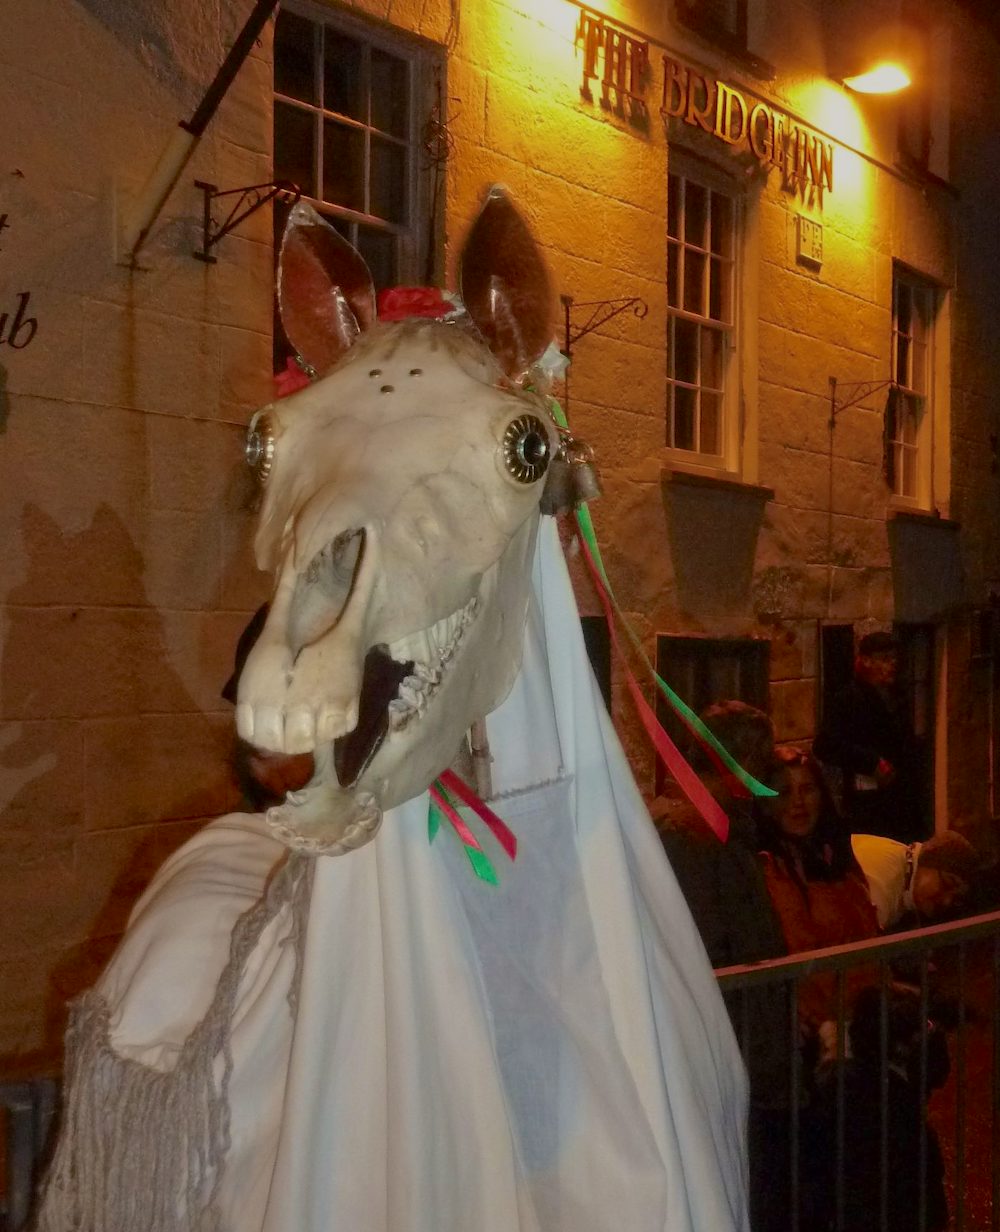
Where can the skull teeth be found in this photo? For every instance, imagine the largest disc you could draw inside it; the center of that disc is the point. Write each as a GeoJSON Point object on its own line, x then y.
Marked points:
{"type": "Point", "coordinates": [439, 645]}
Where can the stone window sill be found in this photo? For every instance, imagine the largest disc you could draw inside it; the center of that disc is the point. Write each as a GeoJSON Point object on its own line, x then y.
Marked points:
{"type": "Point", "coordinates": [716, 483]}
{"type": "Point", "coordinates": [920, 517]}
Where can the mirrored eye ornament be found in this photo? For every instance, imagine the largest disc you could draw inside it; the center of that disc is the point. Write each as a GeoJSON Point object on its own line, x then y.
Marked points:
{"type": "Point", "coordinates": [526, 448]}
{"type": "Point", "coordinates": [259, 447]}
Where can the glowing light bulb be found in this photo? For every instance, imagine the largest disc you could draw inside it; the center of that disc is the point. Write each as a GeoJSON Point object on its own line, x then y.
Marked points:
{"type": "Point", "coordinates": [884, 78]}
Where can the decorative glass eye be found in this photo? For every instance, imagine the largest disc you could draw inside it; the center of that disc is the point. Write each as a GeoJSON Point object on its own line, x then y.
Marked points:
{"type": "Point", "coordinates": [526, 448]}
{"type": "Point", "coordinates": [259, 447]}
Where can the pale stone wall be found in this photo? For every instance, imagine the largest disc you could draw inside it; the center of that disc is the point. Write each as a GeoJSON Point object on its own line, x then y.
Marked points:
{"type": "Point", "coordinates": [126, 575]}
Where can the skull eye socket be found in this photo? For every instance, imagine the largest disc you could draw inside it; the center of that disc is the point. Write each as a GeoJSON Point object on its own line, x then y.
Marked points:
{"type": "Point", "coordinates": [259, 447]}
{"type": "Point", "coordinates": [526, 449]}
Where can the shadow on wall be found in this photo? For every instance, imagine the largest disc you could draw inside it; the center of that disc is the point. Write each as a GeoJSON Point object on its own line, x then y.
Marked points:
{"type": "Point", "coordinates": [4, 400]}
{"type": "Point", "coordinates": [713, 530]}
{"type": "Point", "coordinates": [106, 765]}
{"type": "Point", "coordinates": [181, 55]}
{"type": "Point", "coordinates": [927, 574]}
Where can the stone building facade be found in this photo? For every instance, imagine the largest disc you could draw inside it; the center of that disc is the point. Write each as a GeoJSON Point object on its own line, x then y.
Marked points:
{"type": "Point", "coordinates": [780, 232]}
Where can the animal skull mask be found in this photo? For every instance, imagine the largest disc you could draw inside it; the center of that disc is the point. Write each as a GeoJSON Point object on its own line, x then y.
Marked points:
{"type": "Point", "coordinates": [400, 507]}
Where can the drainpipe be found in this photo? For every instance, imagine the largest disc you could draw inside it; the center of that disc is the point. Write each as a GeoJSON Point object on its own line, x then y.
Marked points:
{"type": "Point", "coordinates": [146, 208]}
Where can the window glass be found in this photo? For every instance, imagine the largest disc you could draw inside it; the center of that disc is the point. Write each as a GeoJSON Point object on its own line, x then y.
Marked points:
{"type": "Point", "coordinates": [294, 156]}
{"type": "Point", "coordinates": [724, 21]}
{"type": "Point", "coordinates": [343, 165]}
{"type": "Point", "coordinates": [389, 92]}
{"type": "Point", "coordinates": [294, 57]}
{"type": "Point", "coordinates": [343, 73]}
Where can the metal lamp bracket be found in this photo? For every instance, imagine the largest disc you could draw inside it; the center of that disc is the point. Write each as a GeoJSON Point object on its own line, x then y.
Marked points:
{"type": "Point", "coordinates": [247, 201]}
{"type": "Point", "coordinates": [600, 312]}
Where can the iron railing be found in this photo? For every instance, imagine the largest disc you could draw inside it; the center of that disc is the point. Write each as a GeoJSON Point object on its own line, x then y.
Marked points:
{"type": "Point", "coordinates": [849, 1161]}
{"type": "Point", "coordinates": [956, 965]}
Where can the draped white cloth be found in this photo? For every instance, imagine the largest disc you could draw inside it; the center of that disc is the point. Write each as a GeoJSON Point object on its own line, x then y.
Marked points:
{"type": "Point", "coordinates": [551, 1055]}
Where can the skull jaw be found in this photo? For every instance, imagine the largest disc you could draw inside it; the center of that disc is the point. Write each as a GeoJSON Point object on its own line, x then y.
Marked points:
{"type": "Point", "coordinates": [325, 818]}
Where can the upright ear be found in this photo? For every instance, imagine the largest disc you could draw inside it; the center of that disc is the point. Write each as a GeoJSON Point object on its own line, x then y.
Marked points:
{"type": "Point", "coordinates": [505, 285]}
{"type": "Point", "coordinates": [325, 291]}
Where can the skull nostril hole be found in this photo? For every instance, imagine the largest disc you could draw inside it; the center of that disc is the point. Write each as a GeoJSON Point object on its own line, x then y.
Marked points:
{"type": "Point", "coordinates": [416, 372]}
{"type": "Point", "coordinates": [375, 372]}
{"type": "Point", "coordinates": [387, 389]}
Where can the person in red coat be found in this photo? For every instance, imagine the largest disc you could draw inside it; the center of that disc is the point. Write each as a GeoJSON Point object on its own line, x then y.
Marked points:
{"type": "Point", "coordinates": [816, 886]}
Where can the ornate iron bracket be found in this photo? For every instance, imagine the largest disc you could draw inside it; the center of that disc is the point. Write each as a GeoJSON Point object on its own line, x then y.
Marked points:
{"type": "Point", "coordinates": [601, 311]}
{"type": "Point", "coordinates": [856, 393]}
{"type": "Point", "coordinates": [860, 390]}
{"type": "Point", "coordinates": [248, 201]}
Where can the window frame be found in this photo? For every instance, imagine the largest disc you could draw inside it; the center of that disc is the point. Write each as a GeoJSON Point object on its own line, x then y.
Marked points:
{"type": "Point", "coordinates": [918, 396]}
{"type": "Point", "coordinates": [412, 235]}
{"type": "Point", "coordinates": [688, 675]}
{"type": "Point", "coordinates": [691, 170]}
{"type": "Point", "coordinates": [923, 137]}
{"type": "Point", "coordinates": [692, 16]}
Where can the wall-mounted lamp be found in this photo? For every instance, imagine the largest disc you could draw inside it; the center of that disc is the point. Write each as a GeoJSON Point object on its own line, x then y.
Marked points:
{"type": "Point", "coordinates": [873, 58]}
{"type": "Point", "coordinates": [886, 77]}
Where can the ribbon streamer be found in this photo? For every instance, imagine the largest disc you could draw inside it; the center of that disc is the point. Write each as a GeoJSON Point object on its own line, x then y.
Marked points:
{"type": "Point", "coordinates": [740, 783]}
{"type": "Point", "coordinates": [441, 805]}
{"type": "Point", "coordinates": [504, 835]}
{"type": "Point", "coordinates": [673, 759]}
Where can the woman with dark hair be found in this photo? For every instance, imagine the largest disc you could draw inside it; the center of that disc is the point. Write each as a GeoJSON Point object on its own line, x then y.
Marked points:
{"type": "Point", "coordinates": [820, 897]}
{"type": "Point", "coordinates": [816, 886]}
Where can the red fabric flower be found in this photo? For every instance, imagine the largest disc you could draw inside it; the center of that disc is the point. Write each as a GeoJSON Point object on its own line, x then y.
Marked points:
{"type": "Point", "coordinates": [398, 303]}
{"type": "Point", "coordinates": [290, 380]}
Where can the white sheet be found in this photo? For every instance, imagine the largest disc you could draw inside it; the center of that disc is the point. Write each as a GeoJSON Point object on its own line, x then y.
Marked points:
{"type": "Point", "coordinates": [548, 1056]}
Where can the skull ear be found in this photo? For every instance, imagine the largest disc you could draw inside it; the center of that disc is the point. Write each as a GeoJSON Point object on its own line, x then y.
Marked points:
{"type": "Point", "coordinates": [505, 285]}
{"type": "Point", "coordinates": [325, 291]}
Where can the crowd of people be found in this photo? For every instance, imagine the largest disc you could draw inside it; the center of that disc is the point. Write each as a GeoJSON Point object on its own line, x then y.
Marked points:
{"type": "Point", "coordinates": [834, 857]}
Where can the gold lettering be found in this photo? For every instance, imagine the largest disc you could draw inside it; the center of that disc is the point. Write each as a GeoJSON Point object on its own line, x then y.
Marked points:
{"type": "Point", "coordinates": [674, 88]}
{"type": "Point", "coordinates": [638, 66]}
{"type": "Point", "coordinates": [775, 139]}
{"type": "Point", "coordinates": [725, 98]}
{"type": "Point", "coordinates": [779, 156]}
{"type": "Point", "coordinates": [704, 116]}
{"type": "Point", "coordinates": [614, 49]}
{"type": "Point", "coordinates": [590, 34]}
{"type": "Point", "coordinates": [815, 168]}
{"type": "Point", "coordinates": [826, 164]}
{"type": "Point", "coordinates": [762, 146]}
{"type": "Point", "coordinates": [801, 154]}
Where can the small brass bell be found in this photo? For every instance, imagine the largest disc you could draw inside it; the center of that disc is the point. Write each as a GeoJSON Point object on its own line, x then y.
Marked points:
{"type": "Point", "coordinates": [572, 477]}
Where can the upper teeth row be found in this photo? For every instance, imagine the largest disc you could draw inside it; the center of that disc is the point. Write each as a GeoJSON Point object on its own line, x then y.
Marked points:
{"type": "Point", "coordinates": [438, 644]}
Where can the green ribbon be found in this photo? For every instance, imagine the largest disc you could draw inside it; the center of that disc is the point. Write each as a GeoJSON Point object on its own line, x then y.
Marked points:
{"type": "Point", "coordinates": [482, 866]}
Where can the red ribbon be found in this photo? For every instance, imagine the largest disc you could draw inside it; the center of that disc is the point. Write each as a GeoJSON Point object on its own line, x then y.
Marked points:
{"type": "Point", "coordinates": [455, 817]}
{"type": "Point", "coordinates": [504, 835]}
{"type": "Point", "coordinates": [672, 757]}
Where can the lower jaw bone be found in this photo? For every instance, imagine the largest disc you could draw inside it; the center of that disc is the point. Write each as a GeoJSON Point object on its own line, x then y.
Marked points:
{"type": "Point", "coordinates": [323, 819]}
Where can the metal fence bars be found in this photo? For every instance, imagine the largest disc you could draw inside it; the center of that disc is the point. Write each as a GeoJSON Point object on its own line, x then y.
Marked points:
{"type": "Point", "coordinates": [885, 1117]}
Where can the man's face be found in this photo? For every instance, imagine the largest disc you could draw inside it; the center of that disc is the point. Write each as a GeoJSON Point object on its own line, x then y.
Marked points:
{"type": "Point", "coordinates": [879, 669]}
{"type": "Point", "coordinates": [937, 892]}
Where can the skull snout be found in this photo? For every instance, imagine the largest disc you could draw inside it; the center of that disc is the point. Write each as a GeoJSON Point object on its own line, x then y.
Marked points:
{"type": "Point", "coordinates": [301, 685]}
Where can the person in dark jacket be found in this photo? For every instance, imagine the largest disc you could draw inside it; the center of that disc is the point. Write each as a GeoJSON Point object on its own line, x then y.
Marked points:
{"type": "Point", "coordinates": [867, 735]}
{"type": "Point", "coordinates": [908, 1136]}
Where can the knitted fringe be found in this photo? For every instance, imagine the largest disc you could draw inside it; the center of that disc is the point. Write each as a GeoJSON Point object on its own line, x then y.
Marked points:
{"type": "Point", "coordinates": [142, 1150]}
